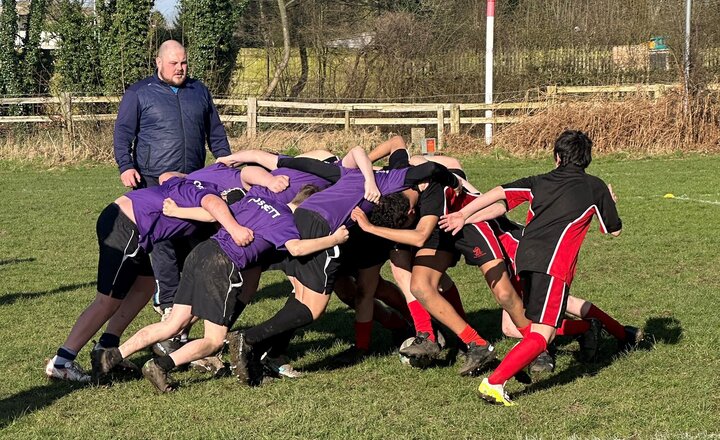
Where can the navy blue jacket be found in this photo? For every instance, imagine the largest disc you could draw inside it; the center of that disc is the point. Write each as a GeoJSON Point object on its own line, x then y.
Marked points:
{"type": "Point", "coordinates": [158, 131]}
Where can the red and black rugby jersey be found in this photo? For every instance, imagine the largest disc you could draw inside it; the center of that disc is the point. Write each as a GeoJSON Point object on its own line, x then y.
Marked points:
{"type": "Point", "coordinates": [562, 204]}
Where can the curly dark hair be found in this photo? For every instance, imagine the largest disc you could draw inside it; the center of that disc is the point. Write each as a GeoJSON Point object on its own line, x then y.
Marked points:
{"type": "Point", "coordinates": [391, 211]}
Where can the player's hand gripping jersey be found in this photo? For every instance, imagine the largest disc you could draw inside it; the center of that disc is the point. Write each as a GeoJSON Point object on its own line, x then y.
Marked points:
{"type": "Point", "coordinates": [272, 224]}
{"type": "Point", "coordinates": [298, 179]}
{"type": "Point", "coordinates": [147, 205]}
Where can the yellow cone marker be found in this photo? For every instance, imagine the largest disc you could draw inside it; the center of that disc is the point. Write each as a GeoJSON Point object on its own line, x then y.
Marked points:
{"type": "Point", "coordinates": [669, 196]}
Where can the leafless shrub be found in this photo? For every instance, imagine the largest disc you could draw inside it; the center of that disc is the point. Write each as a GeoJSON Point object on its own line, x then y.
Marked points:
{"type": "Point", "coordinates": [637, 126]}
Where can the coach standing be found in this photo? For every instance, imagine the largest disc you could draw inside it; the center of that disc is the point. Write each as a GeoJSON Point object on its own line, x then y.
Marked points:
{"type": "Point", "coordinates": [163, 124]}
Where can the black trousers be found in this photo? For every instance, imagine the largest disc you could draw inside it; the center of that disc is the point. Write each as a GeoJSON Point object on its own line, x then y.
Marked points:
{"type": "Point", "coordinates": [165, 262]}
{"type": "Point", "coordinates": [168, 256]}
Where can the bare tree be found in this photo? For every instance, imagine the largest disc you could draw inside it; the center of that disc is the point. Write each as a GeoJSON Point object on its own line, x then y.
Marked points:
{"type": "Point", "coordinates": [286, 51]}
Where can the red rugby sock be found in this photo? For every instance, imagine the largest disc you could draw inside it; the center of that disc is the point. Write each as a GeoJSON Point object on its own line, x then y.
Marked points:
{"type": "Point", "coordinates": [469, 335]}
{"type": "Point", "coordinates": [363, 333]}
{"type": "Point", "coordinates": [524, 330]}
{"type": "Point", "coordinates": [570, 327]}
{"type": "Point", "coordinates": [519, 357]}
{"type": "Point", "coordinates": [612, 326]}
{"type": "Point", "coordinates": [421, 319]}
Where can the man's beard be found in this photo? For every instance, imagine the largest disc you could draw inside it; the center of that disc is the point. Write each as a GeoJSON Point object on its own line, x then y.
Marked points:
{"type": "Point", "coordinates": [174, 82]}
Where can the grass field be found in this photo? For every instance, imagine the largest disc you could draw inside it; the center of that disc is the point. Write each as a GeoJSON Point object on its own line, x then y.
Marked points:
{"type": "Point", "coordinates": [661, 274]}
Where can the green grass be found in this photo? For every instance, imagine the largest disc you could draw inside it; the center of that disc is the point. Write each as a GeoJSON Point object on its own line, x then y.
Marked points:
{"type": "Point", "coordinates": [661, 274]}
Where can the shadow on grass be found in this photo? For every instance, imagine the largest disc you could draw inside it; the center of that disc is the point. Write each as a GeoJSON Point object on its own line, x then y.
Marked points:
{"type": "Point", "coordinates": [277, 290]}
{"type": "Point", "coordinates": [26, 402]}
{"type": "Point", "coordinates": [13, 297]}
{"type": "Point", "coordinates": [16, 261]}
{"type": "Point", "coordinates": [665, 330]}
{"type": "Point", "coordinates": [340, 323]}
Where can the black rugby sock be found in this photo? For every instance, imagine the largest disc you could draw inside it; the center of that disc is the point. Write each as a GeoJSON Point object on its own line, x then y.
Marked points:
{"type": "Point", "coordinates": [108, 340]}
{"type": "Point", "coordinates": [165, 362]}
{"type": "Point", "coordinates": [239, 307]}
{"type": "Point", "coordinates": [63, 356]}
{"type": "Point", "coordinates": [279, 344]}
{"type": "Point", "coordinates": [293, 315]}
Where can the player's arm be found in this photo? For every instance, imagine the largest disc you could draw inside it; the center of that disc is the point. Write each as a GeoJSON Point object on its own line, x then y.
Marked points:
{"type": "Point", "coordinates": [431, 171]}
{"type": "Point", "coordinates": [217, 207]}
{"type": "Point", "coordinates": [412, 237]}
{"type": "Point", "coordinates": [327, 171]}
{"type": "Point", "coordinates": [446, 161]}
{"type": "Point", "coordinates": [386, 148]}
{"type": "Point", "coordinates": [262, 158]}
{"type": "Point", "coordinates": [610, 222]}
{"type": "Point", "coordinates": [451, 164]}
{"type": "Point", "coordinates": [253, 175]}
{"type": "Point", "coordinates": [171, 209]}
{"type": "Point", "coordinates": [614, 198]}
{"type": "Point", "coordinates": [322, 155]}
{"type": "Point", "coordinates": [164, 177]}
{"type": "Point", "coordinates": [299, 247]}
{"type": "Point", "coordinates": [358, 158]}
{"type": "Point", "coordinates": [455, 221]}
{"type": "Point", "coordinates": [493, 211]}
{"type": "Point", "coordinates": [213, 209]}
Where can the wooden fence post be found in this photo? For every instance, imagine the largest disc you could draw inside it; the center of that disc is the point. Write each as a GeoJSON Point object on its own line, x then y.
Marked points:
{"type": "Point", "coordinates": [659, 92]}
{"type": "Point", "coordinates": [251, 118]}
{"type": "Point", "coordinates": [347, 121]}
{"type": "Point", "coordinates": [455, 119]}
{"type": "Point", "coordinates": [66, 114]}
{"type": "Point", "coordinates": [552, 93]}
{"type": "Point", "coordinates": [440, 127]}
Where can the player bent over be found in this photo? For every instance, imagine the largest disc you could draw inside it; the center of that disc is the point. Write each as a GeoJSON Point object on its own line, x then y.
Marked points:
{"type": "Point", "coordinates": [211, 283]}
{"type": "Point", "coordinates": [562, 204]}
{"type": "Point", "coordinates": [313, 276]}
{"type": "Point", "coordinates": [127, 230]}
{"type": "Point", "coordinates": [434, 252]}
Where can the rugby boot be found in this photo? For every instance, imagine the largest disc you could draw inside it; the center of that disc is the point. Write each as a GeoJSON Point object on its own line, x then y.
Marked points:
{"type": "Point", "coordinates": [159, 378]}
{"type": "Point", "coordinates": [422, 346]}
{"type": "Point", "coordinates": [477, 358]}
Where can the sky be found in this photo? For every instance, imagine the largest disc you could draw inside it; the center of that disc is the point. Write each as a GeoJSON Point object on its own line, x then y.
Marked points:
{"type": "Point", "coordinates": [168, 8]}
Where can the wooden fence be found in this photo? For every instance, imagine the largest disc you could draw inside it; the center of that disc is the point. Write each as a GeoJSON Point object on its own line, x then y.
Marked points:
{"type": "Point", "coordinates": [63, 110]}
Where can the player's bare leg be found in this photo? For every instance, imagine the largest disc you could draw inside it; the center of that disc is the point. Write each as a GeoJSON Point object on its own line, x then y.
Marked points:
{"type": "Point", "coordinates": [497, 278]}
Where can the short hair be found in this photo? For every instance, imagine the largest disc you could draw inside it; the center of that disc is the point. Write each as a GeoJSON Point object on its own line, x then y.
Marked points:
{"type": "Point", "coordinates": [305, 192]}
{"type": "Point", "coordinates": [391, 211]}
{"type": "Point", "coordinates": [573, 147]}
{"type": "Point", "coordinates": [166, 45]}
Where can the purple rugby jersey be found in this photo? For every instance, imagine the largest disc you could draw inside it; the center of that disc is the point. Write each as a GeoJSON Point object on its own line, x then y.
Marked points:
{"type": "Point", "coordinates": [222, 176]}
{"type": "Point", "coordinates": [335, 203]}
{"type": "Point", "coordinates": [152, 225]}
{"type": "Point", "coordinates": [272, 224]}
{"type": "Point", "coordinates": [298, 179]}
